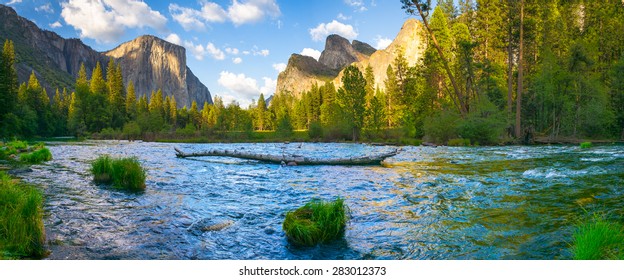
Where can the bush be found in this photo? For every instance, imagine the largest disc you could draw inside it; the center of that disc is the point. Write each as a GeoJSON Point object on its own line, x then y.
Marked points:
{"type": "Point", "coordinates": [18, 145]}
{"type": "Point", "coordinates": [37, 157]}
{"type": "Point", "coordinates": [21, 220]}
{"type": "Point", "coordinates": [125, 173]}
{"type": "Point", "coordinates": [316, 222]}
{"type": "Point", "coordinates": [316, 130]}
{"type": "Point", "coordinates": [441, 127]}
{"type": "Point", "coordinates": [131, 130]}
{"type": "Point", "coordinates": [598, 239]}
{"type": "Point", "coordinates": [459, 142]}
{"type": "Point", "coordinates": [586, 145]}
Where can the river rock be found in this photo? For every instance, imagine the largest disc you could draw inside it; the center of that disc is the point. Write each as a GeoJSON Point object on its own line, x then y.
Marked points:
{"type": "Point", "coordinates": [208, 224]}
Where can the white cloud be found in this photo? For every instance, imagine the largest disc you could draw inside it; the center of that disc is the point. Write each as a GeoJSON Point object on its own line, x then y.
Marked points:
{"type": "Point", "coordinates": [246, 52]}
{"type": "Point", "coordinates": [323, 30]}
{"type": "Point", "coordinates": [243, 89]}
{"type": "Point", "coordinates": [343, 17]}
{"type": "Point", "coordinates": [215, 52]}
{"type": "Point", "coordinates": [279, 67]}
{"type": "Point", "coordinates": [55, 25]}
{"type": "Point", "coordinates": [174, 39]}
{"type": "Point", "coordinates": [357, 4]}
{"type": "Point", "coordinates": [239, 13]}
{"type": "Point", "coordinates": [382, 43]}
{"type": "Point", "coordinates": [311, 52]}
{"type": "Point", "coordinates": [45, 8]}
{"type": "Point", "coordinates": [237, 60]}
{"type": "Point", "coordinates": [264, 53]}
{"type": "Point", "coordinates": [14, 2]}
{"type": "Point", "coordinates": [233, 51]}
{"type": "Point", "coordinates": [106, 20]}
{"type": "Point", "coordinates": [189, 19]}
{"type": "Point", "coordinates": [198, 51]}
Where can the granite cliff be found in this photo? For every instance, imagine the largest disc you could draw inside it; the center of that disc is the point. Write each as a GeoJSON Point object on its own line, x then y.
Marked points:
{"type": "Point", "coordinates": [339, 54]}
{"type": "Point", "coordinates": [151, 63]}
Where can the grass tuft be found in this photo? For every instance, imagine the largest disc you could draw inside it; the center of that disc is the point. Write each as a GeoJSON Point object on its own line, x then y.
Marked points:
{"type": "Point", "coordinates": [316, 222]}
{"type": "Point", "coordinates": [586, 145]}
{"type": "Point", "coordinates": [125, 173]}
{"type": "Point", "coordinates": [36, 157]}
{"type": "Point", "coordinates": [22, 233]}
{"type": "Point", "coordinates": [598, 239]}
{"type": "Point", "coordinates": [459, 142]}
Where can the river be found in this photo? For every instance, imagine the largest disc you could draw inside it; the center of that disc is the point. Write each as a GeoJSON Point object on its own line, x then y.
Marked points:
{"type": "Point", "coordinates": [512, 202]}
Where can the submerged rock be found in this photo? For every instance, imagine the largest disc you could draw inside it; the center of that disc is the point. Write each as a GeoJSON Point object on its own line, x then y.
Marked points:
{"type": "Point", "coordinates": [207, 224]}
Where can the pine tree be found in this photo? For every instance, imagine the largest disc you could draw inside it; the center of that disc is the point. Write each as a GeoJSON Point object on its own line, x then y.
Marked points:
{"type": "Point", "coordinates": [352, 98]}
{"type": "Point", "coordinates": [8, 83]}
{"type": "Point", "coordinates": [131, 102]}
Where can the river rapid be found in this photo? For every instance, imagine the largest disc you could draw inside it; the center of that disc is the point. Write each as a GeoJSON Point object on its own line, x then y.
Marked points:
{"type": "Point", "coordinates": [512, 202]}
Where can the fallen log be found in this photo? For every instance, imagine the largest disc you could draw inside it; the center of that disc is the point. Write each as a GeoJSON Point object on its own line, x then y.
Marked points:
{"type": "Point", "coordinates": [291, 159]}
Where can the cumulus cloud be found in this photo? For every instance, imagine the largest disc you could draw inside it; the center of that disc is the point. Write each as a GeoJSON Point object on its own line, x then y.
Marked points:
{"type": "Point", "coordinates": [239, 13]}
{"type": "Point", "coordinates": [357, 4]}
{"type": "Point", "coordinates": [106, 20]}
{"type": "Point", "coordinates": [311, 52]}
{"type": "Point", "coordinates": [14, 2]}
{"type": "Point", "coordinates": [382, 43]}
{"type": "Point", "coordinates": [55, 25]}
{"type": "Point", "coordinates": [215, 52]}
{"type": "Point", "coordinates": [237, 60]}
{"type": "Point", "coordinates": [174, 39]}
{"type": "Point", "coordinates": [343, 17]}
{"type": "Point", "coordinates": [191, 19]}
{"type": "Point", "coordinates": [264, 53]}
{"type": "Point", "coordinates": [233, 51]}
{"type": "Point", "coordinates": [279, 67]}
{"type": "Point", "coordinates": [323, 30]}
{"type": "Point", "coordinates": [45, 8]}
{"type": "Point", "coordinates": [243, 88]}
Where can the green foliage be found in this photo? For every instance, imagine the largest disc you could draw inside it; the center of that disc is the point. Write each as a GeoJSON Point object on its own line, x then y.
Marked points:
{"type": "Point", "coordinates": [586, 145]}
{"type": "Point", "coordinates": [351, 98]}
{"type": "Point", "coordinates": [22, 234]}
{"type": "Point", "coordinates": [458, 142]}
{"type": "Point", "coordinates": [441, 127]}
{"type": "Point", "coordinates": [598, 239]}
{"type": "Point", "coordinates": [316, 222]}
{"type": "Point", "coordinates": [37, 157]}
{"type": "Point", "coordinates": [124, 173]}
{"type": "Point", "coordinates": [316, 130]}
{"type": "Point", "coordinates": [131, 130]}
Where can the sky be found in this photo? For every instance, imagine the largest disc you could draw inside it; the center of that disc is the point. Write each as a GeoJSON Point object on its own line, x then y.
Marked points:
{"type": "Point", "coordinates": [235, 47]}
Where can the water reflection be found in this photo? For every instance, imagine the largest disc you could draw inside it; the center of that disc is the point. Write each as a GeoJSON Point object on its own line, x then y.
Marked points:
{"type": "Point", "coordinates": [425, 203]}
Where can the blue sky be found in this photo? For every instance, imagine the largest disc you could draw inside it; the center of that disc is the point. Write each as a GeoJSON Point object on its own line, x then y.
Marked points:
{"type": "Point", "coordinates": [235, 47]}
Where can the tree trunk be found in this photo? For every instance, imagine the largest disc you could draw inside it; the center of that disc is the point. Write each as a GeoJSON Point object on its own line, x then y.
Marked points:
{"type": "Point", "coordinates": [291, 159]}
{"type": "Point", "coordinates": [458, 94]}
{"type": "Point", "coordinates": [518, 130]}
{"type": "Point", "coordinates": [510, 63]}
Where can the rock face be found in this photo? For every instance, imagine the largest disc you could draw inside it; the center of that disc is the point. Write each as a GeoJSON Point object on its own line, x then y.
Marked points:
{"type": "Point", "coordinates": [339, 53]}
{"type": "Point", "coordinates": [303, 71]}
{"type": "Point", "coordinates": [151, 63]}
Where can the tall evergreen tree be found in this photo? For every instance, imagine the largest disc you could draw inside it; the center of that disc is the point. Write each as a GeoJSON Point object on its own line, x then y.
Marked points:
{"type": "Point", "coordinates": [352, 98]}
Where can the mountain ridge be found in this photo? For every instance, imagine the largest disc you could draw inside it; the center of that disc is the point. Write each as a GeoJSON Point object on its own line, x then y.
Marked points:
{"type": "Point", "coordinates": [56, 60]}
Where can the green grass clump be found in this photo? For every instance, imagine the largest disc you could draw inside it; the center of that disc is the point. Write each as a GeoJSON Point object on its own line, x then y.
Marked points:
{"type": "Point", "coordinates": [18, 145]}
{"type": "Point", "coordinates": [459, 142]}
{"type": "Point", "coordinates": [22, 233]}
{"type": "Point", "coordinates": [599, 239]}
{"type": "Point", "coordinates": [586, 145]}
{"type": "Point", "coordinates": [316, 222]}
{"type": "Point", "coordinates": [37, 156]}
{"type": "Point", "coordinates": [125, 173]}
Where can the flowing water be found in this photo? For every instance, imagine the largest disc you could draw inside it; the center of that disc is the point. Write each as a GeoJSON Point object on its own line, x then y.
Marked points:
{"type": "Point", "coordinates": [424, 203]}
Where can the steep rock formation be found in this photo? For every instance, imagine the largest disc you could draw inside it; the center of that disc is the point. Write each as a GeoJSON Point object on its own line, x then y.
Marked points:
{"type": "Point", "coordinates": [303, 71]}
{"type": "Point", "coordinates": [152, 64]}
{"type": "Point", "coordinates": [412, 40]}
{"type": "Point", "coordinates": [56, 61]}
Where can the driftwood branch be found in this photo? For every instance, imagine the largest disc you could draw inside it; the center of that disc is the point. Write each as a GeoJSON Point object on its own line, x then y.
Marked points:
{"type": "Point", "coordinates": [291, 159]}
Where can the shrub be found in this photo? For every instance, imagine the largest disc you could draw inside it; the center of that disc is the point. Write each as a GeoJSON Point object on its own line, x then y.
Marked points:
{"type": "Point", "coordinates": [316, 222]}
{"type": "Point", "coordinates": [21, 220]}
{"type": "Point", "coordinates": [598, 239]}
{"type": "Point", "coordinates": [125, 173]}
{"type": "Point", "coordinates": [441, 127]}
{"type": "Point", "coordinates": [18, 145]}
{"type": "Point", "coordinates": [37, 157]}
{"type": "Point", "coordinates": [131, 130]}
{"type": "Point", "coordinates": [586, 145]}
{"type": "Point", "coordinates": [459, 142]}
{"type": "Point", "coordinates": [316, 130]}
